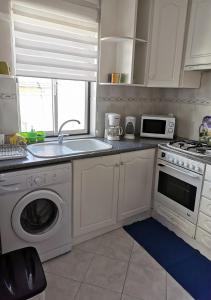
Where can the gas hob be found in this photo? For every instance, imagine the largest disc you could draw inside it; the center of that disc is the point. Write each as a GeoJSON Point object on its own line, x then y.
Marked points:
{"type": "Point", "coordinates": [190, 147]}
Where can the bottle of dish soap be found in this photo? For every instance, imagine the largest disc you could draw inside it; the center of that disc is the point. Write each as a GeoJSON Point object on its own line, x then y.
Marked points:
{"type": "Point", "coordinates": [32, 136]}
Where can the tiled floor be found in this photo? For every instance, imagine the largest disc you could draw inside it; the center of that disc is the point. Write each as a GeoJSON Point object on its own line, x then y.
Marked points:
{"type": "Point", "coordinates": [111, 267]}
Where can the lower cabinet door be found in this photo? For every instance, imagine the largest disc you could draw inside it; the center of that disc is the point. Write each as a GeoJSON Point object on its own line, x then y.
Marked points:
{"type": "Point", "coordinates": [135, 184]}
{"type": "Point", "coordinates": [95, 193]}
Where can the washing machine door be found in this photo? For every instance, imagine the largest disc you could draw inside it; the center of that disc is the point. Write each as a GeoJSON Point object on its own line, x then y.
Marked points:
{"type": "Point", "coordinates": [37, 216]}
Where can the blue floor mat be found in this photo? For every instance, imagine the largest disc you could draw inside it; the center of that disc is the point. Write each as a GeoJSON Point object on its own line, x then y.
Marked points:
{"type": "Point", "coordinates": [185, 264]}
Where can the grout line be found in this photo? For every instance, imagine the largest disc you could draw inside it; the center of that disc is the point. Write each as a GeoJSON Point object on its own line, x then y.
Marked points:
{"type": "Point", "coordinates": [127, 268]}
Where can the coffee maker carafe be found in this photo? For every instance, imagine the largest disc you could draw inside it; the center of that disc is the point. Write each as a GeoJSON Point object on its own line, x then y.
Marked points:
{"type": "Point", "coordinates": [113, 130]}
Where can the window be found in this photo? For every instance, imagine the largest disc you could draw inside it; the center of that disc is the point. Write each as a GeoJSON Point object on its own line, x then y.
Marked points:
{"type": "Point", "coordinates": [45, 104]}
{"type": "Point", "coordinates": [55, 39]}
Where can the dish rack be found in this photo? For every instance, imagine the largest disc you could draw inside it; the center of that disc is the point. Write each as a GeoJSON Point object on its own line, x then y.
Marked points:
{"type": "Point", "coordinates": [12, 152]}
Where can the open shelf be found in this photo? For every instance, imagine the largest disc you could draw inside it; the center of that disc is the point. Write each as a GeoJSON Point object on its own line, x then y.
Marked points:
{"type": "Point", "coordinates": [118, 18]}
{"type": "Point", "coordinates": [115, 38]}
{"type": "Point", "coordinates": [116, 57]}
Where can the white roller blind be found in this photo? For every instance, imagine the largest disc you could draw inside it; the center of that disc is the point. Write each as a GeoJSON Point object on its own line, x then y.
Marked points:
{"type": "Point", "coordinates": [56, 38]}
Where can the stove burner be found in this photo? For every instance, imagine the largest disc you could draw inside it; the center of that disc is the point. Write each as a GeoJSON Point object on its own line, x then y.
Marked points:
{"type": "Point", "coordinates": [201, 150]}
{"type": "Point", "coordinates": [191, 147]}
{"type": "Point", "coordinates": [181, 144]}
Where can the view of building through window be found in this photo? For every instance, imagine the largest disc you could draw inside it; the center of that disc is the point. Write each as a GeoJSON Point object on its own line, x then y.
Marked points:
{"type": "Point", "coordinates": [45, 104]}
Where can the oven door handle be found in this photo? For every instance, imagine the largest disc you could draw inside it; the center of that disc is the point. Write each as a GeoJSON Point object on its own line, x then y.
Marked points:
{"type": "Point", "coordinates": [184, 173]}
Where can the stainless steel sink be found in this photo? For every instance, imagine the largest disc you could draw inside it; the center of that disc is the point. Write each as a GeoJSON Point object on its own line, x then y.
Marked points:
{"type": "Point", "coordinates": [54, 149]}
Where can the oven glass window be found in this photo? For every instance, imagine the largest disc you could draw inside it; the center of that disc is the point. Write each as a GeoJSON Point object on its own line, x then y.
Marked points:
{"type": "Point", "coordinates": [154, 126]}
{"type": "Point", "coordinates": [177, 190]}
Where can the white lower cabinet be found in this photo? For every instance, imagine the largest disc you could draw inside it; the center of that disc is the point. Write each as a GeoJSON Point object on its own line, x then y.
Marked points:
{"type": "Point", "coordinates": [95, 193]}
{"type": "Point", "coordinates": [135, 184]}
{"type": "Point", "coordinates": [110, 188]}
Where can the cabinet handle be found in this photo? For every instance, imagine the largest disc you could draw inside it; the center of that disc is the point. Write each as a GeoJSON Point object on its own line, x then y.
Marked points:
{"type": "Point", "coordinates": [121, 164]}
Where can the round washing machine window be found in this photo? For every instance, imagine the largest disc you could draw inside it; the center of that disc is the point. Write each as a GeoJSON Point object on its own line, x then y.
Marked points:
{"type": "Point", "coordinates": [37, 216]}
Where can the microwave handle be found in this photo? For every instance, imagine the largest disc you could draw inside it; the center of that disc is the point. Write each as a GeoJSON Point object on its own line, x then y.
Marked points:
{"type": "Point", "coordinates": [185, 173]}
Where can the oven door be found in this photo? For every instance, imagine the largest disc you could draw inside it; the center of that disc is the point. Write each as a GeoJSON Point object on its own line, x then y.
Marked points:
{"type": "Point", "coordinates": [178, 189]}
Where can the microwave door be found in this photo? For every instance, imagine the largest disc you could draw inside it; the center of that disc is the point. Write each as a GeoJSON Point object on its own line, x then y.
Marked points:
{"type": "Point", "coordinates": [151, 126]}
{"type": "Point", "coordinates": [178, 189]}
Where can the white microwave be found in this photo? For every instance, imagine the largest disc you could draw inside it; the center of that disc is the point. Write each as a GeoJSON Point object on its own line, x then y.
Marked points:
{"type": "Point", "coordinates": [157, 126]}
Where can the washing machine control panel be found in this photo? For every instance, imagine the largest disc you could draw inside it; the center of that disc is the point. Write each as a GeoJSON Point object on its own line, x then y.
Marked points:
{"type": "Point", "coordinates": [38, 180]}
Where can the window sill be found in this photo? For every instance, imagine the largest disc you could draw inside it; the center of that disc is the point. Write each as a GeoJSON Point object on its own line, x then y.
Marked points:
{"type": "Point", "coordinates": [72, 137]}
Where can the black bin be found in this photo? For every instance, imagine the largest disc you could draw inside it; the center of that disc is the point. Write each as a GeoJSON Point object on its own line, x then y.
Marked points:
{"type": "Point", "coordinates": [21, 275]}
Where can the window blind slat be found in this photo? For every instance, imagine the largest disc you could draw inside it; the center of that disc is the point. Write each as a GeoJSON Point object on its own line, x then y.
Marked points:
{"type": "Point", "coordinates": [52, 72]}
{"type": "Point", "coordinates": [54, 41]}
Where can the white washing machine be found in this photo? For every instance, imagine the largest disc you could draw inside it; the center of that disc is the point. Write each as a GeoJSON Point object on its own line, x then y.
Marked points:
{"type": "Point", "coordinates": [35, 210]}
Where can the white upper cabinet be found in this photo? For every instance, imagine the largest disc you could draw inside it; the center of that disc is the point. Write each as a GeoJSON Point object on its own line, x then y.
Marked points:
{"type": "Point", "coordinates": [135, 184]}
{"type": "Point", "coordinates": [168, 28]}
{"type": "Point", "coordinates": [198, 53]}
{"type": "Point", "coordinates": [145, 41]}
{"type": "Point", "coordinates": [118, 18]}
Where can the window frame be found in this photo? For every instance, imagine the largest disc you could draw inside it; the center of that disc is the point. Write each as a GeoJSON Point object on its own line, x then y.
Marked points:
{"type": "Point", "coordinates": [54, 133]}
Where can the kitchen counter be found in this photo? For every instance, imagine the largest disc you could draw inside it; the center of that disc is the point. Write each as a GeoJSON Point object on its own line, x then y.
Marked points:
{"type": "Point", "coordinates": [118, 147]}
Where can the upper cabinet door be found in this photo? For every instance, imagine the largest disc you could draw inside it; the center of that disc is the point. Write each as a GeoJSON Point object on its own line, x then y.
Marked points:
{"type": "Point", "coordinates": [168, 28]}
{"type": "Point", "coordinates": [199, 37]}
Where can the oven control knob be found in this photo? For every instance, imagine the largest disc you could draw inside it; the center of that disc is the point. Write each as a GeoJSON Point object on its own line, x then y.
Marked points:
{"type": "Point", "coordinates": [186, 165]}
{"type": "Point", "coordinates": [193, 167]}
{"type": "Point", "coordinates": [181, 163]}
{"type": "Point", "coordinates": [198, 169]}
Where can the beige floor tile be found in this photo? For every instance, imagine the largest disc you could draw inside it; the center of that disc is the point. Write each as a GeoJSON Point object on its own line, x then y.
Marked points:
{"type": "Point", "coordinates": [73, 265]}
{"type": "Point", "coordinates": [145, 282]}
{"type": "Point", "coordinates": [39, 297]}
{"type": "Point", "coordinates": [60, 288]}
{"type": "Point", "coordinates": [176, 291]}
{"type": "Point", "coordinates": [89, 292]}
{"type": "Point", "coordinates": [126, 297]}
{"type": "Point", "coordinates": [140, 257]}
{"type": "Point", "coordinates": [107, 273]}
{"type": "Point", "coordinates": [116, 244]}
{"type": "Point", "coordinates": [90, 245]}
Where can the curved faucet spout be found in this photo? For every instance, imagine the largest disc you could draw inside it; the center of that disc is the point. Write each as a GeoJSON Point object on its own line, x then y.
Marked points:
{"type": "Point", "coordinates": [60, 135]}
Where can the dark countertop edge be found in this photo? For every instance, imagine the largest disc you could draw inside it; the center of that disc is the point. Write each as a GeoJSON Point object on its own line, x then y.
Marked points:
{"type": "Point", "coordinates": [122, 146]}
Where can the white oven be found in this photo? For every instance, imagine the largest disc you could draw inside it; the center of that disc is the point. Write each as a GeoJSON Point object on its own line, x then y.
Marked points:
{"type": "Point", "coordinates": [178, 184]}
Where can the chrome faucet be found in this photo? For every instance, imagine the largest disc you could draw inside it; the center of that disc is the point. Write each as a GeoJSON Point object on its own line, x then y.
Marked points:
{"type": "Point", "coordinates": [60, 135]}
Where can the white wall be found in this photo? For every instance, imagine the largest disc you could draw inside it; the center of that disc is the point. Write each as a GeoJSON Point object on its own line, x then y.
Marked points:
{"type": "Point", "coordinates": [8, 106]}
{"type": "Point", "coordinates": [6, 44]}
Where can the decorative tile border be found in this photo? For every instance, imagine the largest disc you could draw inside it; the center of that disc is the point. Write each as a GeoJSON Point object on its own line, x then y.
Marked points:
{"type": "Point", "coordinates": [128, 99]}
{"type": "Point", "coordinates": [202, 101]}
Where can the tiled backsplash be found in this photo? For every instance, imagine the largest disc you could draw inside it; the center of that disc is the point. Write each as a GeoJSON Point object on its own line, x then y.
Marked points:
{"type": "Point", "coordinates": [188, 105]}
{"type": "Point", "coordinates": [125, 101]}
